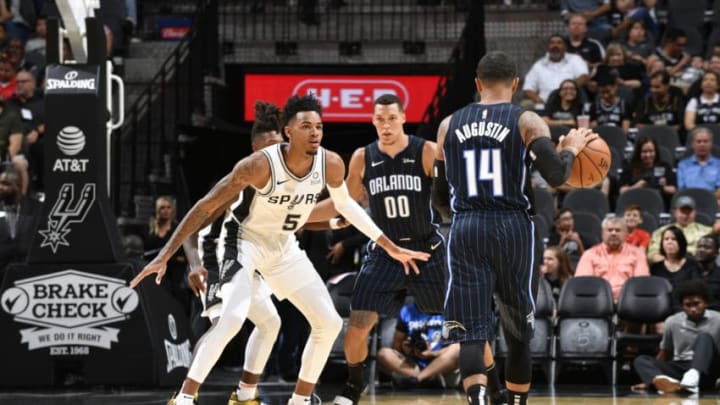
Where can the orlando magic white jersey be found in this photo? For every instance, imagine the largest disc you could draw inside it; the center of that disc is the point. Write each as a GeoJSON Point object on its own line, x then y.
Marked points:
{"type": "Point", "coordinates": [275, 212]}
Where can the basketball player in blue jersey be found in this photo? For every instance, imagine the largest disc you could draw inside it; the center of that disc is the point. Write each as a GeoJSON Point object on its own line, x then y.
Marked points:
{"type": "Point", "coordinates": [485, 151]}
{"type": "Point", "coordinates": [287, 179]}
{"type": "Point", "coordinates": [395, 174]}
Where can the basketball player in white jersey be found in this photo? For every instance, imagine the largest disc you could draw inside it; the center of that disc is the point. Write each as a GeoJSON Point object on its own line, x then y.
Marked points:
{"type": "Point", "coordinates": [287, 179]}
{"type": "Point", "coordinates": [210, 255]}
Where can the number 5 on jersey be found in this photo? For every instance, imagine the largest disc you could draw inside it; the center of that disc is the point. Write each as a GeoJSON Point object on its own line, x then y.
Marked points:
{"type": "Point", "coordinates": [490, 170]}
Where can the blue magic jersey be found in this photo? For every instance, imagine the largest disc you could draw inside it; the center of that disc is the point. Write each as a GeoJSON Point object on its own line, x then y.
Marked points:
{"type": "Point", "coordinates": [399, 192]}
{"type": "Point", "coordinates": [487, 164]}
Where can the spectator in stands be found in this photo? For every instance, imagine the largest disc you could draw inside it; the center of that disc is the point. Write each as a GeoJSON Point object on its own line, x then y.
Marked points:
{"type": "Point", "coordinates": [595, 13]}
{"type": "Point", "coordinates": [676, 266]}
{"type": "Point", "coordinates": [633, 218]}
{"type": "Point", "coordinates": [547, 73]}
{"type": "Point", "coordinates": [684, 213]}
{"type": "Point", "coordinates": [419, 350]}
{"type": "Point", "coordinates": [646, 170]}
{"type": "Point", "coordinates": [556, 268]}
{"type": "Point", "coordinates": [345, 249]}
{"type": "Point", "coordinates": [690, 74]}
{"type": "Point", "coordinates": [11, 138]}
{"type": "Point", "coordinates": [22, 18]}
{"type": "Point", "coordinates": [702, 169]}
{"type": "Point", "coordinates": [688, 357]}
{"type": "Point", "coordinates": [637, 44]}
{"type": "Point", "coordinates": [16, 54]}
{"type": "Point", "coordinates": [663, 106]}
{"type": "Point", "coordinates": [564, 106]}
{"type": "Point", "coordinates": [161, 227]}
{"type": "Point", "coordinates": [672, 52]}
{"type": "Point", "coordinates": [629, 13]}
{"type": "Point", "coordinates": [7, 78]}
{"type": "Point", "coordinates": [707, 269]}
{"type": "Point", "coordinates": [609, 108]}
{"type": "Point", "coordinates": [18, 219]}
{"type": "Point", "coordinates": [134, 248]}
{"type": "Point", "coordinates": [562, 234]}
{"type": "Point", "coordinates": [613, 259]}
{"type": "Point", "coordinates": [30, 105]}
{"type": "Point", "coordinates": [705, 108]}
{"type": "Point", "coordinates": [578, 43]}
{"type": "Point", "coordinates": [38, 43]}
{"type": "Point", "coordinates": [713, 65]}
{"type": "Point", "coordinates": [629, 73]}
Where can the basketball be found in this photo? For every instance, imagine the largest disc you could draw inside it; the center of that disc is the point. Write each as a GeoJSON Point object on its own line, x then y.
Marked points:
{"type": "Point", "coordinates": [591, 165]}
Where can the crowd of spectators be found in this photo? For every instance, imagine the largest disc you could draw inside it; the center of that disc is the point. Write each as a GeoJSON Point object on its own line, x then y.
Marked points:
{"type": "Point", "coordinates": [654, 96]}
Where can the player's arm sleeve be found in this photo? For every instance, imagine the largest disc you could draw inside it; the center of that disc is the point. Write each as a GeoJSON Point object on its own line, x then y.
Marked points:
{"type": "Point", "coordinates": [353, 212]}
{"type": "Point", "coordinates": [554, 167]}
{"type": "Point", "coordinates": [440, 189]}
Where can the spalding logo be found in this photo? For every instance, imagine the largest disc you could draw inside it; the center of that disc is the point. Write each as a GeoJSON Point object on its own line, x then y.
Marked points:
{"type": "Point", "coordinates": [71, 140]}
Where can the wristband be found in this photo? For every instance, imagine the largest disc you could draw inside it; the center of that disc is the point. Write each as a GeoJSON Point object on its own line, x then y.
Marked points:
{"type": "Point", "coordinates": [334, 223]}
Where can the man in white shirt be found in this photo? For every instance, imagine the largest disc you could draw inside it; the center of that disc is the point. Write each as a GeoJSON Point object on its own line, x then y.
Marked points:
{"type": "Point", "coordinates": [548, 72]}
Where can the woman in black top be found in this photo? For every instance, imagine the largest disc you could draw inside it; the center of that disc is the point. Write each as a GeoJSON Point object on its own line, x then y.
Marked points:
{"type": "Point", "coordinates": [556, 269]}
{"type": "Point", "coordinates": [645, 169]}
{"type": "Point", "coordinates": [676, 265]}
{"type": "Point", "coordinates": [563, 107]}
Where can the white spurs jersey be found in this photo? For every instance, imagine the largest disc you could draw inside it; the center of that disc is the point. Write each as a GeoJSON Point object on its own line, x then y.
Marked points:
{"type": "Point", "coordinates": [275, 212]}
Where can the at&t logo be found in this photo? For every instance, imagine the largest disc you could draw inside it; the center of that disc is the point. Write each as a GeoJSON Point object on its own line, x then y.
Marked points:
{"type": "Point", "coordinates": [70, 141]}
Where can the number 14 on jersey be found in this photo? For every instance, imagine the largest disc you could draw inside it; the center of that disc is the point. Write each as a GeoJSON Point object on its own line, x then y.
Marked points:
{"type": "Point", "coordinates": [490, 170]}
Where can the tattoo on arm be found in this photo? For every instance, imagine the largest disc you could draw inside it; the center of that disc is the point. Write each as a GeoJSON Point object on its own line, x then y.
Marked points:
{"type": "Point", "coordinates": [363, 319]}
{"type": "Point", "coordinates": [229, 187]}
{"type": "Point", "coordinates": [532, 127]}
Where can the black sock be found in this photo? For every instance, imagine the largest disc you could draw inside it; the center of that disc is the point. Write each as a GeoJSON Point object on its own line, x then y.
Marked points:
{"type": "Point", "coordinates": [476, 394]}
{"type": "Point", "coordinates": [493, 380]}
{"type": "Point", "coordinates": [517, 398]}
{"type": "Point", "coordinates": [356, 374]}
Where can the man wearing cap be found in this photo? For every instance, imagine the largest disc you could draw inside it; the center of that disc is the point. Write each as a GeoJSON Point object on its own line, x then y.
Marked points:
{"type": "Point", "coordinates": [684, 213]}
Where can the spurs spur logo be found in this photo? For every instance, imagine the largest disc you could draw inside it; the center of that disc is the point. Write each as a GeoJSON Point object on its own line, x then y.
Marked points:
{"type": "Point", "coordinates": [66, 211]}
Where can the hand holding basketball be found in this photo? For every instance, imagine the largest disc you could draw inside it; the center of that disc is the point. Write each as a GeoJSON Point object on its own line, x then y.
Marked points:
{"type": "Point", "coordinates": [592, 160]}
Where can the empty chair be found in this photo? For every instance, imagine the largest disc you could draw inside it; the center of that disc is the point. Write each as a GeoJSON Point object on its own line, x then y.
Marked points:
{"type": "Point", "coordinates": [705, 201]}
{"type": "Point", "coordinates": [643, 300]}
{"type": "Point", "coordinates": [584, 325]}
{"type": "Point", "coordinates": [589, 227]}
{"type": "Point", "coordinates": [544, 203]}
{"type": "Point", "coordinates": [541, 344]}
{"type": "Point", "coordinates": [542, 227]}
{"type": "Point", "coordinates": [703, 218]}
{"type": "Point", "coordinates": [664, 136]}
{"type": "Point", "coordinates": [649, 199]}
{"type": "Point", "coordinates": [649, 223]}
{"type": "Point", "coordinates": [614, 136]}
{"type": "Point", "coordinates": [557, 130]}
{"type": "Point", "coordinates": [666, 155]}
{"type": "Point", "coordinates": [689, 16]}
{"type": "Point", "coordinates": [616, 163]}
{"type": "Point", "coordinates": [340, 288]}
{"type": "Point", "coordinates": [589, 200]}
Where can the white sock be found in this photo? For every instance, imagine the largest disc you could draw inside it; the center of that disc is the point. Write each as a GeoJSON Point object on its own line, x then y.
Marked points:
{"type": "Point", "coordinates": [246, 392]}
{"type": "Point", "coordinates": [299, 400]}
{"type": "Point", "coordinates": [184, 399]}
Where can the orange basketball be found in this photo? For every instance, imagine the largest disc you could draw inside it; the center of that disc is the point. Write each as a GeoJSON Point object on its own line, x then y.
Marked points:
{"type": "Point", "coordinates": [591, 165]}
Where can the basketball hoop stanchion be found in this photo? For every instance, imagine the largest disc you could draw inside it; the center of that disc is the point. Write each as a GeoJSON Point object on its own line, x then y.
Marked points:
{"type": "Point", "coordinates": [67, 312]}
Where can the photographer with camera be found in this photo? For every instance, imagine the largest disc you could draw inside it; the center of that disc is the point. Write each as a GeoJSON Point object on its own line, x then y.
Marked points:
{"type": "Point", "coordinates": [419, 353]}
